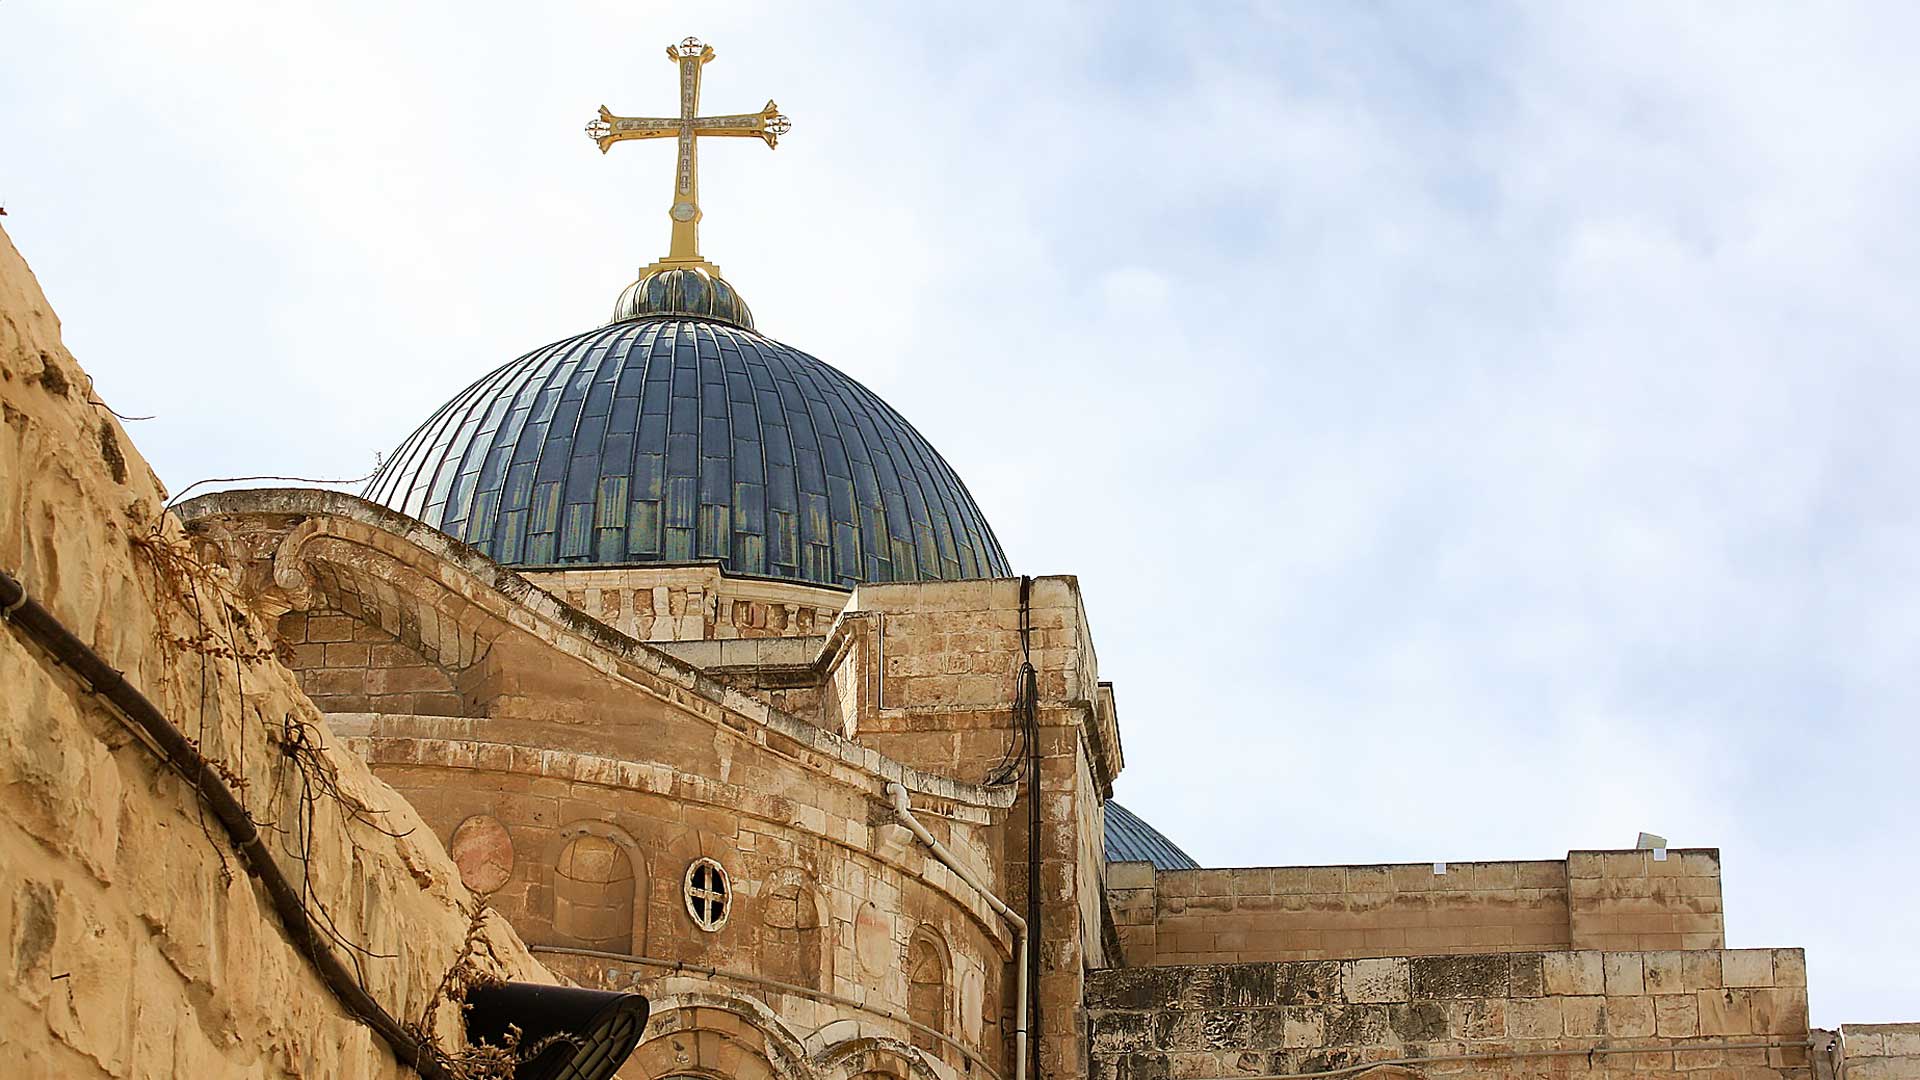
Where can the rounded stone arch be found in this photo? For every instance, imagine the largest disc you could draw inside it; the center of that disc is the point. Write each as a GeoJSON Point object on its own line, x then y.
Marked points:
{"type": "Point", "coordinates": [715, 1037]}
{"type": "Point", "coordinates": [599, 889]}
{"type": "Point", "coordinates": [929, 986]}
{"type": "Point", "coordinates": [879, 1058]}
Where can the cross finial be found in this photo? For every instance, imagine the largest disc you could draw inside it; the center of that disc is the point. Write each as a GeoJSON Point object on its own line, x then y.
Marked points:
{"type": "Point", "coordinates": [691, 54]}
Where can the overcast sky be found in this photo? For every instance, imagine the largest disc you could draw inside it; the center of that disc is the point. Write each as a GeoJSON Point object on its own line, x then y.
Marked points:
{"type": "Point", "coordinates": [1480, 431]}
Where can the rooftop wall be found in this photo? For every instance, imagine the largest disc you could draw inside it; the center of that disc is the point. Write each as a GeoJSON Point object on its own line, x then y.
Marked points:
{"type": "Point", "coordinates": [1616, 900]}
{"type": "Point", "coordinates": [1874, 1052]}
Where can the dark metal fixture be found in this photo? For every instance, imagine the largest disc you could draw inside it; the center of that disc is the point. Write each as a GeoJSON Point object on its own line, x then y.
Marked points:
{"type": "Point", "coordinates": [588, 1033]}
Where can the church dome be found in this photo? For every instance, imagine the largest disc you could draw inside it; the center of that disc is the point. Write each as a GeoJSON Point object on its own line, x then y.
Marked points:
{"type": "Point", "coordinates": [1130, 839]}
{"type": "Point", "coordinates": [674, 439]}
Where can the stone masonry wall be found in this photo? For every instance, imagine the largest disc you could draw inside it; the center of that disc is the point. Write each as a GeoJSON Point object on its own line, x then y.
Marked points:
{"type": "Point", "coordinates": [1879, 1052]}
{"type": "Point", "coordinates": [132, 941]}
{"type": "Point", "coordinates": [1310, 912]}
{"type": "Point", "coordinates": [1632, 900]}
{"type": "Point", "coordinates": [1622, 900]}
{"type": "Point", "coordinates": [1684, 1013]}
{"type": "Point", "coordinates": [349, 666]}
{"type": "Point", "coordinates": [947, 655]}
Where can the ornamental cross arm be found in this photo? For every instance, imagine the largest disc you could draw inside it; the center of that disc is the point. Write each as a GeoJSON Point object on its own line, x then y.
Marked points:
{"type": "Point", "coordinates": [766, 125]}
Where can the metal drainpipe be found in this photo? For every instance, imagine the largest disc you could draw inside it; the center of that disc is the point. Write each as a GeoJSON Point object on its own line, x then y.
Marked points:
{"type": "Point", "coordinates": [898, 794]}
{"type": "Point", "coordinates": [1026, 699]}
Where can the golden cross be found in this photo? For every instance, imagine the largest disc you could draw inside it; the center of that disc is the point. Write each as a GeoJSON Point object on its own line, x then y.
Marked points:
{"type": "Point", "coordinates": [767, 125]}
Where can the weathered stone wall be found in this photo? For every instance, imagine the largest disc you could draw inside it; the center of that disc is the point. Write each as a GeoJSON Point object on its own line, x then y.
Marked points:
{"type": "Point", "coordinates": [1681, 1012]}
{"type": "Point", "coordinates": [1621, 900]}
{"type": "Point", "coordinates": [349, 666]}
{"type": "Point", "coordinates": [132, 940]}
{"type": "Point", "coordinates": [1632, 900]}
{"type": "Point", "coordinates": [823, 895]}
{"type": "Point", "coordinates": [947, 655]}
{"type": "Point", "coordinates": [1878, 1052]}
{"type": "Point", "coordinates": [1311, 912]}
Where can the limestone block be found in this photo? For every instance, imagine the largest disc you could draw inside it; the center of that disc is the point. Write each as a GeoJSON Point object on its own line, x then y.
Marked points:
{"type": "Point", "coordinates": [1896, 1040]}
{"type": "Point", "coordinates": [1574, 972]}
{"type": "Point", "coordinates": [1459, 977]}
{"type": "Point", "coordinates": [1377, 980]}
{"type": "Point", "coordinates": [1676, 1015]}
{"type": "Point", "coordinates": [1358, 1025]}
{"type": "Point", "coordinates": [1121, 1032]}
{"type": "Point", "coordinates": [1526, 975]}
{"type": "Point", "coordinates": [1534, 1018]}
{"type": "Point", "coordinates": [1776, 1011]}
{"type": "Point", "coordinates": [1882, 1068]}
{"type": "Point", "coordinates": [1419, 1022]}
{"type": "Point", "coordinates": [1630, 1017]}
{"type": "Point", "coordinates": [1625, 975]}
{"type": "Point", "coordinates": [1725, 1012]}
{"type": "Point", "coordinates": [1700, 970]}
{"type": "Point", "coordinates": [1747, 967]}
{"type": "Point", "coordinates": [1478, 1019]}
{"type": "Point", "coordinates": [1584, 1016]}
{"type": "Point", "coordinates": [1790, 968]}
{"type": "Point", "coordinates": [1304, 1027]}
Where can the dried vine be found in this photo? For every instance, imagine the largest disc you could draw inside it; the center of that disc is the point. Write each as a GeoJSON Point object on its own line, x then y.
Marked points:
{"type": "Point", "coordinates": [304, 767]}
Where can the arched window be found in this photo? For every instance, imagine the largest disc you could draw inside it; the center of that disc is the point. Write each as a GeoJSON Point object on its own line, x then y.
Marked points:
{"type": "Point", "coordinates": [593, 895]}
{"type": "Point", "coordinates": [927, 986]}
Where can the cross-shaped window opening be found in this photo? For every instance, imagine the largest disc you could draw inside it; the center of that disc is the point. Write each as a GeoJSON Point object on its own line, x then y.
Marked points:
{"type": "Point", "coordinates": [707, 894]}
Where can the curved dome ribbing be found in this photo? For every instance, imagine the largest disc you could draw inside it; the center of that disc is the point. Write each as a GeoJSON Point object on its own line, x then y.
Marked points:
{"type": "Point", "coordinates": [678, 440]}
{"type": "Point", "coordinates": [1129, 839]}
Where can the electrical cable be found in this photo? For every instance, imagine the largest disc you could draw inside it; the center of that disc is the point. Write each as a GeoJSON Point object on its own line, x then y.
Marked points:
{"type": "Point", "coordinates": [178, 753]}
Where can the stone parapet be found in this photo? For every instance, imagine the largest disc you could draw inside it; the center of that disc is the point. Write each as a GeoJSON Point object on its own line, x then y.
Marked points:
{"type": "Point", "coordinates": [1616, 899]}
{"type": "Point", "coordinates": [1645, 899]}
{"type": "Point", "coordinates": [1870, 1052]}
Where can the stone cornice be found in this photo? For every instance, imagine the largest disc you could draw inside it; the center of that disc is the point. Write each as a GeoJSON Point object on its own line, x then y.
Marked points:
{"type": "Point", "coordinates": [260, 526]}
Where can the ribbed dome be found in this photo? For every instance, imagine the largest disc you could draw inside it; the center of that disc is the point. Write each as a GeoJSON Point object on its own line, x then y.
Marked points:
{"type": "Point", "coordinates": [1130, 839]}
{"type": "Point", "coordinates": [667, 440]}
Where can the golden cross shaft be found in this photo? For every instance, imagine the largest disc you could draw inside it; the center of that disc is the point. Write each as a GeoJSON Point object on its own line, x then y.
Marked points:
{"type": "Point", "coordinates": [767, 125]}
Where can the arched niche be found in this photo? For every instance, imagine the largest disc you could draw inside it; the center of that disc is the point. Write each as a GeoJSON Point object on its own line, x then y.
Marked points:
{"type": "Point", "coordinates": [929, 978]}
{"type": "Point", "coordinates": [796, 946]}
{"type": "Point", "coordinates": [599, 890]}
